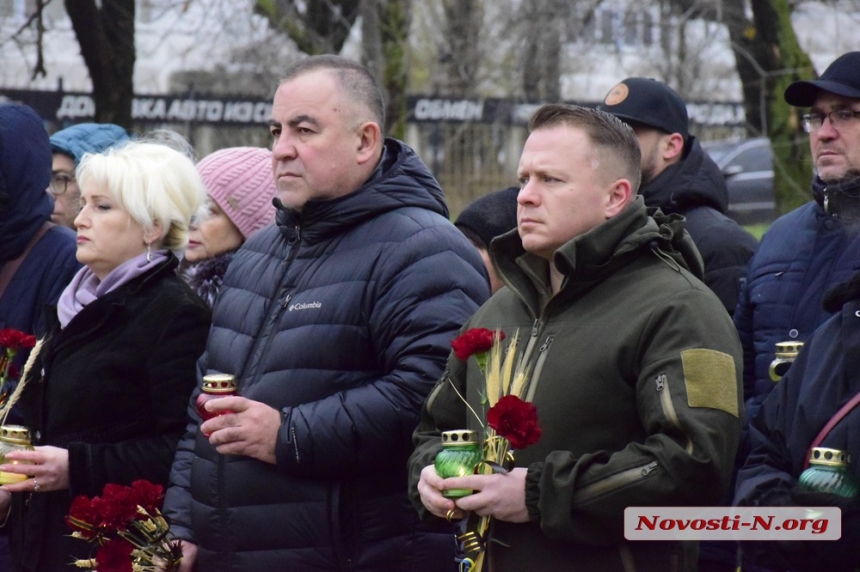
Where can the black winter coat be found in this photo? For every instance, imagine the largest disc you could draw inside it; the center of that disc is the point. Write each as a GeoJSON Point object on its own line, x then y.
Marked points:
{"type": "Point", "coordinates": [111, 387]}
{"type": "Point", "coordinates": [695, 188]}
{"type": "Point", "coordinates": [341, 319]}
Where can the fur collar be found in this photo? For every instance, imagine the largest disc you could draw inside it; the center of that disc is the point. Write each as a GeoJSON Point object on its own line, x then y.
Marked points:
{"type": "Point", "coordinates": [206, 276]}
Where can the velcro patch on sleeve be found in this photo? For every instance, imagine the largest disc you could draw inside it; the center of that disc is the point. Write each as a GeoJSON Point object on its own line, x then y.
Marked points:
{"type": "Point", "coordinates": [710, 379]}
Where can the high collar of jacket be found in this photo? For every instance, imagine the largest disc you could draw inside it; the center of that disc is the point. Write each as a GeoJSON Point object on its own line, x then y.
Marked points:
{"type": "Point", "coordinates": [840, 199]}
{"type": "Point", "coordinates": [593, 255]}
{"type": "Point", "coordinates": [694, 181]}
{"type": "Point", "coordinates": [400, 180]}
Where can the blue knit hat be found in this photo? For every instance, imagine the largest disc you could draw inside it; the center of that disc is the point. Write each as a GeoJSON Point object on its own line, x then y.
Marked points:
{"type": "Point", "coordinates": [77, 140]}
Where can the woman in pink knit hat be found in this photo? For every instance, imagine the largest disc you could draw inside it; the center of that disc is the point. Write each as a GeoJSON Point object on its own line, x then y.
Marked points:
{"type": "Point", "coordinates": [241, 187]}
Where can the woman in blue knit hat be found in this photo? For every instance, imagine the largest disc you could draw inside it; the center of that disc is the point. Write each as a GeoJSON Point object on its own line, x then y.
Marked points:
{"type": "Point", "coordinates": [68, 146]}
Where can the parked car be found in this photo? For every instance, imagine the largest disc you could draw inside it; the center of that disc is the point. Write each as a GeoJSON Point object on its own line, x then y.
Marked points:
{"type": "Point", "coordinates": [747, 165]}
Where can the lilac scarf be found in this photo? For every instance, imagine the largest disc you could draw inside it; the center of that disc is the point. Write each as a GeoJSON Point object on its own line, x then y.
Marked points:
{"type": "Point", "coordinates": [86, 287]}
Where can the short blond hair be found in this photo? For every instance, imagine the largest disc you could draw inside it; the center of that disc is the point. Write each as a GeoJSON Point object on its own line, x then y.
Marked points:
{"type": "Point", "coordinates": [152, 181]}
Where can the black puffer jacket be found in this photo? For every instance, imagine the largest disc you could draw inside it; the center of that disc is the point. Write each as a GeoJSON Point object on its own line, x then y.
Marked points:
{"type": "Point", "coordinates": [342, 319]}
{"type": "Point", "coordinates": [696, 189]}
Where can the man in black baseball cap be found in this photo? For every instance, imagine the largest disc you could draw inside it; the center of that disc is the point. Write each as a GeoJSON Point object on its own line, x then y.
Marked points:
{"type": "Point", "coordinates": [842, 77]}
{"type": "Point", "coordinates": [804, 255]}
{"type": "Point", "coordinates": [817, 243]}
{"type": "Point", "coordinates": [679, 177]}
{"type": "Point", "coordinates": [646, 101]}
{"type": "Point", "coordinates": [833, 125]}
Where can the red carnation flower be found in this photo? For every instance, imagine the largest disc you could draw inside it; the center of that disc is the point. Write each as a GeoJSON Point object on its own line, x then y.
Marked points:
{"type": "Point", "coordinates": [15, 339]}
{"type": "Point", "coordinates": [130, 539]}
{"type": "Point", "coordinates": [83, 517]}
{"type": "Point", "coordinates": [117, 506]}
{"type": "Point", "coordinates": [148, 495]}
{"type": "Point", "coordinates": [515, 420]}
{"type": "Point", "coordinates": [115, 556]}
{"type": "Point", "coordinates": [474, 341]}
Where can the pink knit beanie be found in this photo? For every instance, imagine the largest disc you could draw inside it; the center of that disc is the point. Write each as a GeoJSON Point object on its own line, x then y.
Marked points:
{"type": "Point", "coordinates": [240, 180]}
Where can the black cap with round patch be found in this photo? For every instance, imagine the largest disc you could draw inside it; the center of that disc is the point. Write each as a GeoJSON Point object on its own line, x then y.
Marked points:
{"type": "Point", "coordinates": [648, 102]}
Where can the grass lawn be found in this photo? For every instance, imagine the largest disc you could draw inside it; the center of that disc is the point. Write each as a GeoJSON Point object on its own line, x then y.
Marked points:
{"type": "Point", "coordinates": [757, 230]}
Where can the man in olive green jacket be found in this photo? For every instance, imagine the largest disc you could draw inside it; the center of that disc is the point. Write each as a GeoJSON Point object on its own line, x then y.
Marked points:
{"type": "Point", "coordinates": [635, 365]}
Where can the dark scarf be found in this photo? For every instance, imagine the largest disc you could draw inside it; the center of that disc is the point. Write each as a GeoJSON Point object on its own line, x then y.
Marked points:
{"type": "Point", "coordinates": [206, 276]}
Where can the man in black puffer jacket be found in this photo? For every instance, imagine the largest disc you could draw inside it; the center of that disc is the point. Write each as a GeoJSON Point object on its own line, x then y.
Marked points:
{"type": "Point", "coordinates": [336, 323]}
{"type": "Point", "coordinates": [678, 177]}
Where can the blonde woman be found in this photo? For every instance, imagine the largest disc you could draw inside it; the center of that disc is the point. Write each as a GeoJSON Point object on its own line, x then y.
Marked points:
{"type": "Point", "coordinates": [106, 397]}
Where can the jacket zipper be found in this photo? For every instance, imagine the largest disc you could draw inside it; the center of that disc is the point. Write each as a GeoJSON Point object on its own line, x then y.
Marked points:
{"type": "Point", "coordinates": [295, 444]}
{"type": "Point", "coordinates": [271, 319]}
{"type": "Point", "coordinates": [289, 259]}
{"type": "Point", "coordinates": [535, 376]}
{"type": "Point", "coordinates": [613, 482]}
{"type": "Point", "coordinates": [662, 382]}
{"type": "Point", "coordinates": [533, 337]}
{"type": "Point", "coordinates": [269, 322]}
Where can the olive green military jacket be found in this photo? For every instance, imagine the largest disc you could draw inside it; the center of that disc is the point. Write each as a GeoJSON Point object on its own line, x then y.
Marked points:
{"type": "Point", "coordinates": [636, 376]}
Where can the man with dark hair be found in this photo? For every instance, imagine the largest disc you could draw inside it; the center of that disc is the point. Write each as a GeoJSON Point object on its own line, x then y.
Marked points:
{"type": "Point", "coordinates": [336, 322]}
{"type": "Point", "coordinates": [679, 177]}
{"type": "Point", "coordinates": [634, 366]}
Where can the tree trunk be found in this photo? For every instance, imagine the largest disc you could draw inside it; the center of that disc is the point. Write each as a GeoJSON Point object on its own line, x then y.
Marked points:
{"type": "Point", "coordinates": [321, 27]}
{"type": "Point", "coordinates": [371, 37]}
{"type": "Point", "coordinates": [776, 48]}
{"type": "Point", "coordinates": [745, 45]}
{"type": "Point", "coordinates": [106, 39]}
{"type": "Point", "coordinates": [462, 34]}
{"type": "Point", "coordinates": [768, 58]}
{"type": "Point", "coordinates": [394, 28]}
{"type": "Point", "coordinates": [542, 53]}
